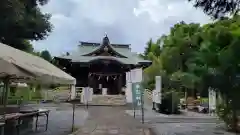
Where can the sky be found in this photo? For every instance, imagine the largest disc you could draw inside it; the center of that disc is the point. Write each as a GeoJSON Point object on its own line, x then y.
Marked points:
{"type": "Point", "coordinates": [125, 22]}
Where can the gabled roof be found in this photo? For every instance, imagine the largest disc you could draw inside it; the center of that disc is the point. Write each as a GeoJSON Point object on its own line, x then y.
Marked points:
{"type": "Point", "coordinates": [105, 45]}
{"type": "Point", "coordinates": [85, 49]}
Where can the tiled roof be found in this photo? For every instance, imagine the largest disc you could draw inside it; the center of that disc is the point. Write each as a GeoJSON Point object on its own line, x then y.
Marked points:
{"type": "Point", "coordinates": [88, 47]}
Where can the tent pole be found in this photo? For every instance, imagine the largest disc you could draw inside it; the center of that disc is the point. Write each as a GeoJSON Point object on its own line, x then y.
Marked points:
{"type": "Point", "coordinates": [6, 82]}
{"type": "Point", "coordinates": [73, 116]}
{"type": "Point", "coordinates": [6, 89]}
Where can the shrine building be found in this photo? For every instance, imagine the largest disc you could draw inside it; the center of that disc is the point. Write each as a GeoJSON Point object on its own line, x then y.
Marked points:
{"type": "Point", "coordinates": [101, 65]}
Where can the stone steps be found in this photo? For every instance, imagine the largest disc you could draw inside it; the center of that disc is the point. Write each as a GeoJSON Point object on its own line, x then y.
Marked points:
{"type": "Point", "coordinates": [58, 96]}
{"type": "Point", "coordinates": [113, 100]}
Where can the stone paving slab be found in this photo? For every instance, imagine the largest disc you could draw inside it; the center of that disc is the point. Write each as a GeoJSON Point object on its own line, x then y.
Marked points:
{"type": "Point", "coordinates": [111, 120]}
{"type": "Point", "coordinates": [190, 129]}
{"type": "Point", "coordinates": [187, 124]}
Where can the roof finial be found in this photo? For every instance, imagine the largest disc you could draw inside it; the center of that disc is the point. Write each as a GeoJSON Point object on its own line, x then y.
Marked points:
{"type": "Point", "coordinates": [105, 34]}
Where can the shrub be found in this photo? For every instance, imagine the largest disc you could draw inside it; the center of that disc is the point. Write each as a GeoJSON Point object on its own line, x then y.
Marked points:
{"type": "Point", "coordinates": [170, 103]}
{"type": "Point", "coordinates": [225, 113]}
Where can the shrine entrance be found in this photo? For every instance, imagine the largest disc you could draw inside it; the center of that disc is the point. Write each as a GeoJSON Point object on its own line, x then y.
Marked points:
{"type": "Point", "coordinates": [106, 74]}
{"type": "Point", "coordinates": [101, 66]}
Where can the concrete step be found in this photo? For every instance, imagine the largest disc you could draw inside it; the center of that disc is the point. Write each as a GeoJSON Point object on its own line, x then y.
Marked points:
{"type": "Point", "coordinates": [108, 100]}
{"type": "Point", "coordinates": [62, 95]}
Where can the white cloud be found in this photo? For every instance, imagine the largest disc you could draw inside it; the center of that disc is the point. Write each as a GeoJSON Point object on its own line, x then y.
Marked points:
{"type": "Point", "coordinates": [125, 21]}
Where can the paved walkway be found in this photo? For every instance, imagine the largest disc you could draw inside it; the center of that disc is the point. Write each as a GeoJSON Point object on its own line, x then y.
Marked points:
{"type": "Point", "coordinates": [113, 120]}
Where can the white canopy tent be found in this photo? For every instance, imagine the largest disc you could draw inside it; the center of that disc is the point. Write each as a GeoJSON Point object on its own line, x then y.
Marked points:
{"type": "Point", "coordinates": [19, 64]}
{"type": "Point", "coordinates": [16, 65]}
{"type": "Point", "coordinates": [13, 71]}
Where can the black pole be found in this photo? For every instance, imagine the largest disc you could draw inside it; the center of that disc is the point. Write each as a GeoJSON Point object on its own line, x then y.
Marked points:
{"type": "Point", "coordinates": [142, 106]}
{"type": "Point", "coordinates": [87, 104]}
{"type": "Point", "coordinates": [86, 96]}
{"type": "Point", "coordinates": [73, 117]}
{"type": "Point", "coordinates": [134, 109]}
{"type": "Point", "coordinates": [153, 106]}
{"type": "Point", "coordinates": [6, 83]}
{"type": "Point", "coordinates": [5, 97]}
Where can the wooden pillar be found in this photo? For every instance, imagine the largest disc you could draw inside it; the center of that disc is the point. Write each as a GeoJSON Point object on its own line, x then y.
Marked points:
{"type": "Point", "coordinates": [118, 90]}
{"type": "Point", "coordinates": [119, 84]}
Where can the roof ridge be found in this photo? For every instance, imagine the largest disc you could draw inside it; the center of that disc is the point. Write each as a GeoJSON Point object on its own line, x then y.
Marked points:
{"type": "Point", "coordinates": [98, 44]}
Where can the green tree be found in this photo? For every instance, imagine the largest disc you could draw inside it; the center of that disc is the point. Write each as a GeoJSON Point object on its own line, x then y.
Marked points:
{"type": "Point", "coordinates": [22, 20]}
{"type": "Point", "coordinates": [46, 55]}
{"type": "Point", "coordinates": [178, 48]}
{"type": "Point", "coordinates": [220, 53]}
{"type": "Point", "coordinates": [147, 49]}
{"type": "Point", "coordinates": [218, 8]}
{"type": "Point", "coordinates": [196, 58]}
{"type": "Point", "coordinates": [171, 53]}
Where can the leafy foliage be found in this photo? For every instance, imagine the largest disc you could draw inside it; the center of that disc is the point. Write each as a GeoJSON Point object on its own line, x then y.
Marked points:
{"type": "Point", "coordinates": [170, 103]}
{"type": "Point", "coordinates": [22, 20]}
{"type": "Point", "coordinates": [194, 58]}
{"type": "Point", "coordinates": [218, 8]}
{"type": "Point", "coordinates": [46, 55]}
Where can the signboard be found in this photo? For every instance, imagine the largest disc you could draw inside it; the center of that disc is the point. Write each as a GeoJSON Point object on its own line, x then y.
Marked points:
{"type": "Point", "coordinates": [212, 99]}
{"type": "Point", "coordinates": [154, 93]}
{"type": "Point", "coordinates": [136, 93]}
{"type": "Point", "coordinates": [158, 86]}
{"type": "Point", "coordinates": [137, 90]}
{"type": "Point", "coordinates": [136, 75]}
{"type": "Point", "coordinates": [87, 94]}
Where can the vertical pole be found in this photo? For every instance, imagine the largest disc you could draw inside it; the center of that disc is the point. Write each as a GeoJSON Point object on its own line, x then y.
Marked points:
{"type": "Point", "coordinates": [87, 96]}
{"type": "Point", "coordinates": [73, 116]}
{"type": "Point", "coordinates": [87, 104]}
{"type": "Point", "coordinates": [5, 97]}
{"type": "Point", "coordinates": [134, 111]}
{"type": "Point", "coordinates": [6, 82]}
{"type": "Point", "coordinates": [153, 99]}
{"type": "Point", "coordinates": [172, 103]}
{"type": "Point", "coordinates": [186, 99]}
{"type": "Point", "coordinates": [133, 100]}
{"type": "Point", "coordinates": [142, 105]}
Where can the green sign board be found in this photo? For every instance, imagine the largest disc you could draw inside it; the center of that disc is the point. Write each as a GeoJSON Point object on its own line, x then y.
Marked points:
{"type": "Point", "coordinates": [136, 94]}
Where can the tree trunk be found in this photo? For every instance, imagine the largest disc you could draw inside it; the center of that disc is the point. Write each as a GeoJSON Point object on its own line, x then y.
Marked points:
{"type": "Point", "coordinates": [235, 120]}
{"type": "Point", "coordinates": [234, 114]}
